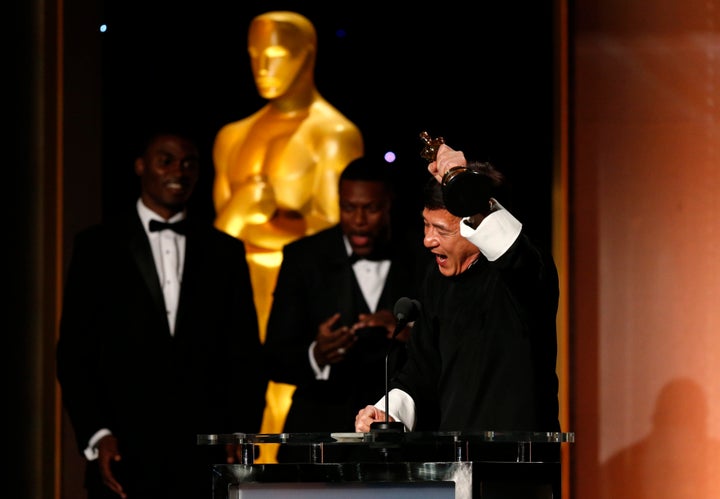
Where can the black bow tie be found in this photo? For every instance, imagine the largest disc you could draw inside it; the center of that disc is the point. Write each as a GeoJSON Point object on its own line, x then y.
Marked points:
{"type": "Point", "coordinates": [156, 225]}
{"type": "Point", "coordinates": [375, 256]}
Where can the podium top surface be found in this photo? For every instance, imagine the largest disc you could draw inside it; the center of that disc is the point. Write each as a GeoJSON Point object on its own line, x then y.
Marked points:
{"type": "Point", "coordinates": [384, 436]}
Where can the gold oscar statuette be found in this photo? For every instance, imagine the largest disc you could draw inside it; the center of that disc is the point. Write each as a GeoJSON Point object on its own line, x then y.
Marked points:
{"type": "Point", "coordinates": [429, 151]}
{"type": "Point", "coordinates": [465, 191]}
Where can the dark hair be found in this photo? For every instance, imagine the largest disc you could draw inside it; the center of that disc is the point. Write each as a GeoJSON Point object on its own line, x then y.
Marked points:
{"type": "Point", "coordinates": [371, 170]}
{"type": "Point", "coordinates": [150, 132]}
{"type": "Point", "coordinates": [433, 192]}
{"type": "Point", "coordinates": [432, 195]}
{"type": "Point", "coordinates": [497, 179]}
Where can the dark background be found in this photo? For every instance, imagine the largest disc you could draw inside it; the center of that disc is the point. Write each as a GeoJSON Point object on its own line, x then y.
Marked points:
{"type": "Point", "coordinates": [479, 75]}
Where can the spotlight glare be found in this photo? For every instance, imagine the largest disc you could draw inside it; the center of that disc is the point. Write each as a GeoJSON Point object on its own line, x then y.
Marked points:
{"type": "Point", "coordinates": [390, 156]}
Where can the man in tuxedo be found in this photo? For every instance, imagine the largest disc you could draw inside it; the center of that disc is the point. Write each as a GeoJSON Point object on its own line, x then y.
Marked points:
{"type": "Point", "coordinates": [158, 339]}
{"type": "Point", "coordinates": [331, 322]}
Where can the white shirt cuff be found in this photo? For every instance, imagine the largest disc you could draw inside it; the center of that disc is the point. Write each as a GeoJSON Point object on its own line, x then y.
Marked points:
{"type": "Point", "coordinates": [91, 452]}
{"type": "Point", "coordinates": [401, 408]}
{"type": "Point", "coordinates": [323, 373]}
{"type": "Point", "coordinates": [495, 234]}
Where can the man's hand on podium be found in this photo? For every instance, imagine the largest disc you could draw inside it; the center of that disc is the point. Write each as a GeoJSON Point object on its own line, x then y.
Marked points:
{"type": "Point", "coordinates": [367, 416]}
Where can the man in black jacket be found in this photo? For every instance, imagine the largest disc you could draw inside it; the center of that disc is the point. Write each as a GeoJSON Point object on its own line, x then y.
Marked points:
{"type": "Point", "coordinates": [158, 339]}
{"type": "Point", "coordinates": [482, 353]}
{"type": "Point", "coordinates": [331, 322]}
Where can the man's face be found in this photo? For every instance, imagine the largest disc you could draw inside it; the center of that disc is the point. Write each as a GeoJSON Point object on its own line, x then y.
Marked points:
{"type": "Point", "coordinates": [453, 253]}
{"type": "Point", "coordinates": [365, 214]}
{"type": "Point", "coordinates": [168, 173]}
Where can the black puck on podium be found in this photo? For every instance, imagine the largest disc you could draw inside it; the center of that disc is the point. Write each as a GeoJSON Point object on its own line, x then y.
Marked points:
{"type": "Point", "coordinates": [387, 426]}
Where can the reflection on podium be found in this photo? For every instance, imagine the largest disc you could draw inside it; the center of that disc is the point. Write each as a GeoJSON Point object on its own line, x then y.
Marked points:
{"type": "Point", "coordinates": [460, 465]}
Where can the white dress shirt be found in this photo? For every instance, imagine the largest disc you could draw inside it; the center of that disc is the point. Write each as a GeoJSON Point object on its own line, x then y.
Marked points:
{"type": "Point", "coordinates": [168, 248]}
{"type": "Point", "coordinates": [371, 276]}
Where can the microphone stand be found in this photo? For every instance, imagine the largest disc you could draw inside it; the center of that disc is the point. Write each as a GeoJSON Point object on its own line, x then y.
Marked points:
{"type": "Point", "coordinates": [388, 433]}
{"type": "Point", "coordinates": [387, 425]}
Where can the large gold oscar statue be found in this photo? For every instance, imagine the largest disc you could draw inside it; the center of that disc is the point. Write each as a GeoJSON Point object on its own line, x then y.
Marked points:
{"type": "Point", "coordinates": [277, 170]}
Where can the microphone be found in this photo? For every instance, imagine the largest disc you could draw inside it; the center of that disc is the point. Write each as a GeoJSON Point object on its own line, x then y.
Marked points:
{"type": "Point", "coordinates": [406, 310]}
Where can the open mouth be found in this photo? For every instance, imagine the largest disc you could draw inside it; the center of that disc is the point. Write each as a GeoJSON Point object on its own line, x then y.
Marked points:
{"type": "Point", "coordinates": [177, 185]}
{"type": "Point", "coordinates": [359, 240]}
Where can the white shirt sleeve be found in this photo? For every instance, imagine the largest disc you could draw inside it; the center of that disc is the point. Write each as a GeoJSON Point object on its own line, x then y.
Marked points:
{"type": "Point", "coordinates": [323, 373]}
{"type": "Point", "coordinates": [401, 408]}
{"type": "Point", "coordinates": [495, 234]}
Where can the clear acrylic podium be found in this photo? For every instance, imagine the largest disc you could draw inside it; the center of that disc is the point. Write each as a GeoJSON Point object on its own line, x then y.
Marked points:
{"type": "Point", "coordinates": [398, 465]}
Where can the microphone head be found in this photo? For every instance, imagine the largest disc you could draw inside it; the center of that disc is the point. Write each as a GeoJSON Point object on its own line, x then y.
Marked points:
{"type": "Point", "coordinates": [406, 309]}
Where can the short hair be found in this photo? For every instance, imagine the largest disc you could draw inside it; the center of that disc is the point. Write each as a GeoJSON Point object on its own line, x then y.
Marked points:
{"type": "Point", "coordinates": [432, 195]}
{"type": "Point", "coordinates": [146, 138]}
{"type": "Point", "coordinates": [370, 170]}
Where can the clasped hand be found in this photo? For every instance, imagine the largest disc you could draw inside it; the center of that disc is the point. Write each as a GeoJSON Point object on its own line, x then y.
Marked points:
{"type": "Point", "coordinates": [332, 343]}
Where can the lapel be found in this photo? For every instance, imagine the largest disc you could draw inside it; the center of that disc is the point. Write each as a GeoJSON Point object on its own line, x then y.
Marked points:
{"type": "Point", "coordinates": [193, 251]}
{"type": "Point", "coordinates": [142, 254]}
{"type": "Point", "coordinates": [399, 275]}
{"type": "Point", "coordinates": [384, 301]}
{"type": "Point", "coordinates": [342, 286]}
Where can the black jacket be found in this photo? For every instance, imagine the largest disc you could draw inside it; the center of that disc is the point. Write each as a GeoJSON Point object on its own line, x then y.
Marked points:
{"type": "Point", "coordinates": [315, 281]}
{"type": "Point", "coordinates": [119, 367]}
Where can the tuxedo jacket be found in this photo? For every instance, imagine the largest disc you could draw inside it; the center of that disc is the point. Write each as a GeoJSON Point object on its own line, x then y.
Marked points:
{"type": "Point", "coordinates": [315, 281]}
{"type": "Point", "coordinates": [120, 368]}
